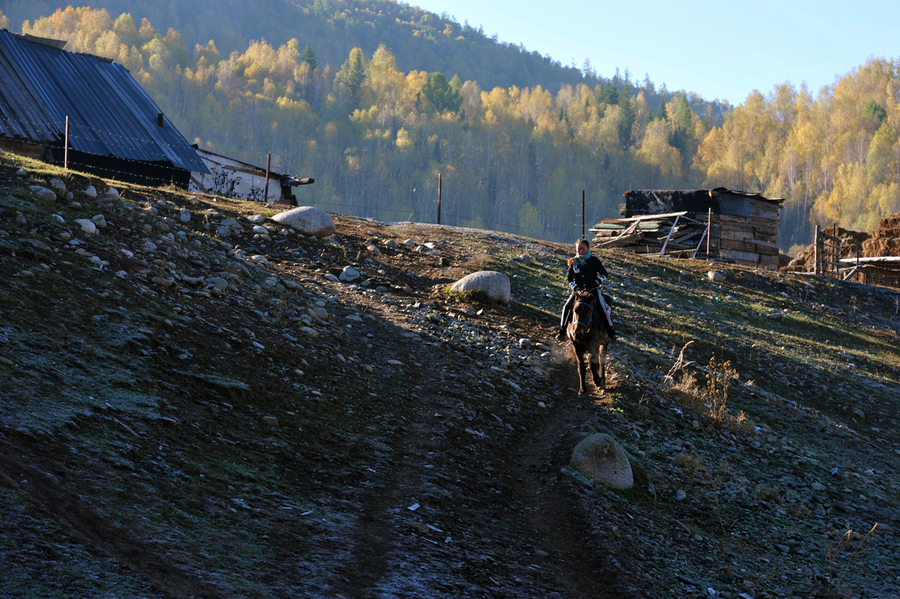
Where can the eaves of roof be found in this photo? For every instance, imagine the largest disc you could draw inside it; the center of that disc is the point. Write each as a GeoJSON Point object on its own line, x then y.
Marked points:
{"type": "Point", "coordinates": [109, 113]}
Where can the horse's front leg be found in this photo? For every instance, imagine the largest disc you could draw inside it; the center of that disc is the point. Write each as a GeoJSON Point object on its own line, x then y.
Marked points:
{"type": "Point", "coordinates": [581, 372]}
{"type": "Point", "coordinates": [598, 368]}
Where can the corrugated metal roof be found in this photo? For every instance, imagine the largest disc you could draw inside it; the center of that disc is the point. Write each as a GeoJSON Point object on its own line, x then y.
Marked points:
{"type": "Point", "coordinates": [109, 113]}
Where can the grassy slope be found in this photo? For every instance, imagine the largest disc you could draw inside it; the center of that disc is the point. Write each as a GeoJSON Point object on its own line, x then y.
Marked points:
{"type": "Point", "coordinates": [138, 412]}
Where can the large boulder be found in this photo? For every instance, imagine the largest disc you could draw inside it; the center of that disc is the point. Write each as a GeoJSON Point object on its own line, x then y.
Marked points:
{"type": "Point", "coordinates": [600, 458]}
{"type": "Point", "coordinates": [494, 284]}
{"type": "Point", "coordinates": [308, 220]}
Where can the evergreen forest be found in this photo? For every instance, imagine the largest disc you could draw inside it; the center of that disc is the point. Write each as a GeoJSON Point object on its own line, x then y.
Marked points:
{"type": "Point", "coordinates": [376, 100]}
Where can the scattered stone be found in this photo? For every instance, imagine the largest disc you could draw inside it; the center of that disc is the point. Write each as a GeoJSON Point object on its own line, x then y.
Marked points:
{"type": "Point", "coordinates": [776, 315]}
{"type": "Point", "coordinates": [716, 275]}
{"type": "Point", "coordinates": [58, 185]}
{"type": "Point", "coordinates": [88, 227]}
{"type": "Point", "coordinates": [600, 458]}
{"type": "Point", "coordinates": [349, 274]}
{"type": "Point", "coordinates": [270, 420]}
{"type": "Point", "coordinates": [90, 192]}
{"type": "Point", "coordinates": [494, 284]}
{"type": "Point", "coordinates": [217, 283]}
{"type": "Point", "coordinates": [307, 220]}
{"type": "Point", "coordinates": [43, 193]}
{"type": "Point", "coordinates": [231, 224]}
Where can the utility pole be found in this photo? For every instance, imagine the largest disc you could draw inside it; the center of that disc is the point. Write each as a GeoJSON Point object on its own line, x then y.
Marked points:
{"type": "Point", "coordinates": [582, 214]}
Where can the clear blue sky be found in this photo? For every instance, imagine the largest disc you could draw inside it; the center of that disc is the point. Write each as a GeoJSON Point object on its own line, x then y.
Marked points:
{"type": "Point", "coordinates": [721, 49]}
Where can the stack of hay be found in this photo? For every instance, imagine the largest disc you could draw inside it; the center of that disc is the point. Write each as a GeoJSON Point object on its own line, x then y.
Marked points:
{"type": "Point", "coordinates": [851, 240]}
{"type": "Point", "coordinates": [885, 241]}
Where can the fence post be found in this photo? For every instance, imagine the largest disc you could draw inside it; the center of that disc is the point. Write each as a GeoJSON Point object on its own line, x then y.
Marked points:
{"type": "Point", "coordinates": [817, 253]}
{"type": "Point", "coordinates": [440, 189]}
{"type": "Point", "coordinates": [66, 149]}
{"type": "Point", "coordinates": [268, 165]}
{"type": "Point", "coordinates": [582, 214]}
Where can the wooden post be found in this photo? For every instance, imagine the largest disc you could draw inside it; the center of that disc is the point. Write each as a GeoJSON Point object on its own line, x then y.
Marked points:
{"type": "Point", "coordinates": [440, 189]}
{"type": "Point", "coordinates": [582, 214]}
{"type": "Point", "coordinates": [66, 150]}
{"type": "Point", "coordinates": [817, 253]}
{"type": "Point", "coordinates": [709, 233]}
{"type": "Point", "coordinates": [268, 165]}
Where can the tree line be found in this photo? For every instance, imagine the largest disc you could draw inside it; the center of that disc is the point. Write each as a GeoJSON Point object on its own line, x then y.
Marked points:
{"type": "Point", "coordinates": [513, 158]}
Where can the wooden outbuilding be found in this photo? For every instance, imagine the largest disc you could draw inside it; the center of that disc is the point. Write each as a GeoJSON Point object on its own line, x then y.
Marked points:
{"type": "Point", "coordinates": [718, 223]}
{"type": "Point", "coordinates": [234, 178]}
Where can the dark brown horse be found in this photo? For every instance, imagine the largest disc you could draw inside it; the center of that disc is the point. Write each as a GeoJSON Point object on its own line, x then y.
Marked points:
{"type": "Point", "coordinates": [589, 335]}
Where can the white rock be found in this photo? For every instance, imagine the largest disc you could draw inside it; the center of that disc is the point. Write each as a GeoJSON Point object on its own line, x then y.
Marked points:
{"type": "Point", "coordinates": [99, 220]}
{"type": "Point", "coordinates": [680, 495]}
{"type": "Point", "coordinates": [257, 218]}
{"type": "Point", "coordinates": [87, 226]}
{"type": "Point", "coordinates": [716, 275]}
{"type": "Point", "coordinates": [310, 332]}
{"type": "Point", "coordinates": [600, 458]}
{"type": "Point", "coordinates": [217, 283]}
{"type": "Point", "coordinates": [308, 220]}
{"type": "Point", "coordinates": [776, 315]}
{"type": "Point", "coordinates": [332, 278]}
{"type": "Point", "coordinates": [112, 192]}
{"type": "Point", "coordinates": [185, 215]}
{"type": "Point", "coordinates": [44, 193]}
{"type": "Point", "coordinates": [260, 230]}
{"type": "Point", "coordinates": [230, 222]}
{"type": "Point", "coordinates": [99, 262]}
{"type": "Point", "coordinates": [91, 192]}
{"type": "Point", "coordinates": [59, 185]}
{"type": "Point", "coordinates": [494, 284]}
{"type": "Point", "coordinates": [349, 274]}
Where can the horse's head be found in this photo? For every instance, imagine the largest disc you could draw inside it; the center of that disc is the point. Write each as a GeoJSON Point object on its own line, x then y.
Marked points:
{"type": "Point", "coordinates": [582, 315]}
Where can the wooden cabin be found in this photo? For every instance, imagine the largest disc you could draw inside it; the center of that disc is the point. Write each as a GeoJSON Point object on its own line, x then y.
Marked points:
{"type": "Point", "coordinates": [718, 223]}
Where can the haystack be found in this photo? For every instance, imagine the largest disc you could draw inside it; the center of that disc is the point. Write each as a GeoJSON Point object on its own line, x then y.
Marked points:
{"type": "Point", "coordinates": [851, 240]}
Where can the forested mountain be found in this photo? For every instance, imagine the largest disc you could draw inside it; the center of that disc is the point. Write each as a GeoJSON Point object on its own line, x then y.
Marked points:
{"type": "Point", "coordinates": [376, 135]}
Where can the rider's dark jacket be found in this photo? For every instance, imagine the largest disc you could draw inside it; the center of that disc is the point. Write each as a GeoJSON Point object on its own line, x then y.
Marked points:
{"type": "Point", "coordinates": [585, 273]}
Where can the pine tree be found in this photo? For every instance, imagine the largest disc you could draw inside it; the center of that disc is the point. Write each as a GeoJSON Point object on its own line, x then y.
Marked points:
{"type": "Point", "coordinates": [309, 57]}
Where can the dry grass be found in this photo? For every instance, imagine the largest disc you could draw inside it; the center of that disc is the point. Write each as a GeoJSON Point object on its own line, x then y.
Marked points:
{"type": "Point", "coordinates": [848, 548]}
{"type": "Point", "coordinates": [710, 401]}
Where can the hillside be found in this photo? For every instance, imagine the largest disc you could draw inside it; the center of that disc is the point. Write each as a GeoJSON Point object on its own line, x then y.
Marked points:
{"type": "Point", "coordinates": [190, 414]}
{"type": "Point", "coordinates": [419, 39]}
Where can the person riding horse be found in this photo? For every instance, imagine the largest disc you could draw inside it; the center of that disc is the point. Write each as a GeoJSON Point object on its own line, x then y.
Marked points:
{"type": "Point", "coordinates": [585, 273]}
